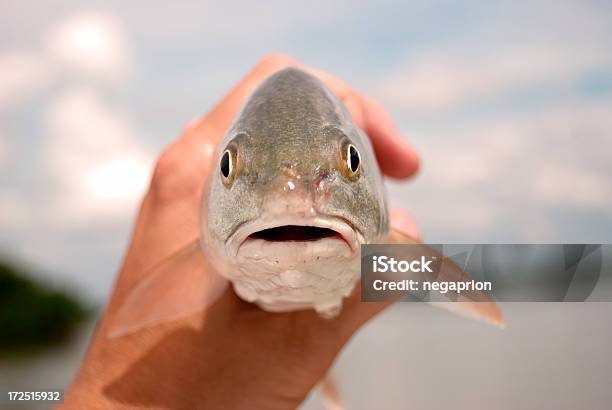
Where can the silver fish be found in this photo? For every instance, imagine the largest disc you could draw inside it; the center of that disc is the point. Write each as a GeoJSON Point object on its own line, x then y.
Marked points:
{"type": "Point", "coordinates": [296, 191]}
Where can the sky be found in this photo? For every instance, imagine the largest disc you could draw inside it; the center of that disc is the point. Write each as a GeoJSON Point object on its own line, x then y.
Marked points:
{"type": "Point", "coordinates": [509, 106]}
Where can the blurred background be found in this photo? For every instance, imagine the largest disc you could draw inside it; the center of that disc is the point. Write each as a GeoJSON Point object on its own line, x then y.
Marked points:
{"type": "Point", "coordinates": [509, 105]}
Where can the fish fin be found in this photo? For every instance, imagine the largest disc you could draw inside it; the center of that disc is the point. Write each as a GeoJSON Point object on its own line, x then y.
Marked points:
{"type": "Point", "coordinates": [474, 304]}
{"type": "Point", "coordinates": [180, 285]}
{"type": "Point", "coordinates": [330, 393]}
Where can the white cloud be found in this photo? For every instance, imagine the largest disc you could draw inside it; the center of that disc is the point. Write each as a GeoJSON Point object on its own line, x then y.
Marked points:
{"type": "Point", "coordinates": [513, 179]}
{"type": "Point", "coordinates": [117, 179]}
{"type": "Point", "coordinates": [22, 73]}
{"type": "Point", "coordinates": [556, 158]}
{"type": "Point", "coordinates": [90, 43]}
{"type": "Point", "coordinates": [93, 43]}
{"type": "Point", "coordinates": [95, 154]}
{"type": "Point", "coordinates": [556, 183]}
{"type": "Point", "coordinates": [93, 167]}
{"type": "Point", "coordinates": [438, 82]}
{"type": "Point", "coordinates": [477, 159]}
{"type": "Point", "coordinates": [226, 25]}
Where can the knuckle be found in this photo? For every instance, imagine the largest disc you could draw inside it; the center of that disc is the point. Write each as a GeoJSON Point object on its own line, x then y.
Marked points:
{"type": "Point", "coordinates": [191, 126]}
{"type": "Point", "coordinates": [171, 177]}
{"type": "Point", "coordinates": [167, 165]}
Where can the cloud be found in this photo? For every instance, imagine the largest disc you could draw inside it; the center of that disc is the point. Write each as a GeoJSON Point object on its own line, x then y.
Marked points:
{"type": "Point", "coordinates": [439, 82]}
{"type": "Point", "coordinates": [91, 148]}
{"type": "Point", "coordinates": [93, 43]}
{"type": "Point", "coordinates": [518, 177]}
{"type": "Point", "coordinates": [238, 26]}
{"type": "Point", "coordinates": [478, 156]}
{"type": "Point", "coordinates": [89, 43]}
{"type": "Point", "coordinates": [22, 72]}
{"type": "Point", "coordinates": [556, 183]}
{"type": "Point", "coordinates": [546, 157]}
{"type": "Point", "coordinates": [95, 154]}
{"type": "Point", "coordinates": [75, 175]}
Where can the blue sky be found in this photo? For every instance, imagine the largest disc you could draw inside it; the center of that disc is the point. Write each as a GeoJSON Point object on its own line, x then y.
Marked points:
{"type": "Point", "coordinates": [508, 104]}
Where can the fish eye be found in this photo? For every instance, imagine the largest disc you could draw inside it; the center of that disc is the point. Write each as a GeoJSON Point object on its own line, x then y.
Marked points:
{"type": "Point", "coordinates": [351, 160]}
{"type": "Point", "coordinates": [227, 166]}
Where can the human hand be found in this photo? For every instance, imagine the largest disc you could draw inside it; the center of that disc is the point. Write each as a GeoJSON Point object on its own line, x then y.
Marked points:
{"type": "Point", "coordinates": [234, 355]}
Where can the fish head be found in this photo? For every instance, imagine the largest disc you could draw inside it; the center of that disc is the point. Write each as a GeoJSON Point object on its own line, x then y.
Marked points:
{"type": "Point", "coordinates": [295, 191]}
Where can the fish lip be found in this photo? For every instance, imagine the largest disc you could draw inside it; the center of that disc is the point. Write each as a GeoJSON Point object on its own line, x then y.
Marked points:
{"type": "Point", "coordinates": [347, 230]}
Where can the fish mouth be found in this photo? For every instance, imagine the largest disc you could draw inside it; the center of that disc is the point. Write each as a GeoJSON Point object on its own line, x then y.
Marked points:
{"type": "Point", "coordinates": [294, 232]}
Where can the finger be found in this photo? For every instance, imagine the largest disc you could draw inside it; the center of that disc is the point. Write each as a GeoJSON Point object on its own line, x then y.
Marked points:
{"type": "Point", "coordinates": [400, 158]}
{"type": "Point", "coordinates": [353, 101]}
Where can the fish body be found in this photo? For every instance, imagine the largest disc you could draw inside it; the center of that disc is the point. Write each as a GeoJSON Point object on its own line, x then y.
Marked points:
{"type": "Point", "coordinates": [296, 192]}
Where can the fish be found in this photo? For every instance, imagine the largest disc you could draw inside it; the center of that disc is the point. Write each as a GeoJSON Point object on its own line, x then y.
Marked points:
{"type": "Point", "coordinates": [295, 191]}
{"type": "Point", "coordinates": [302, 192]}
